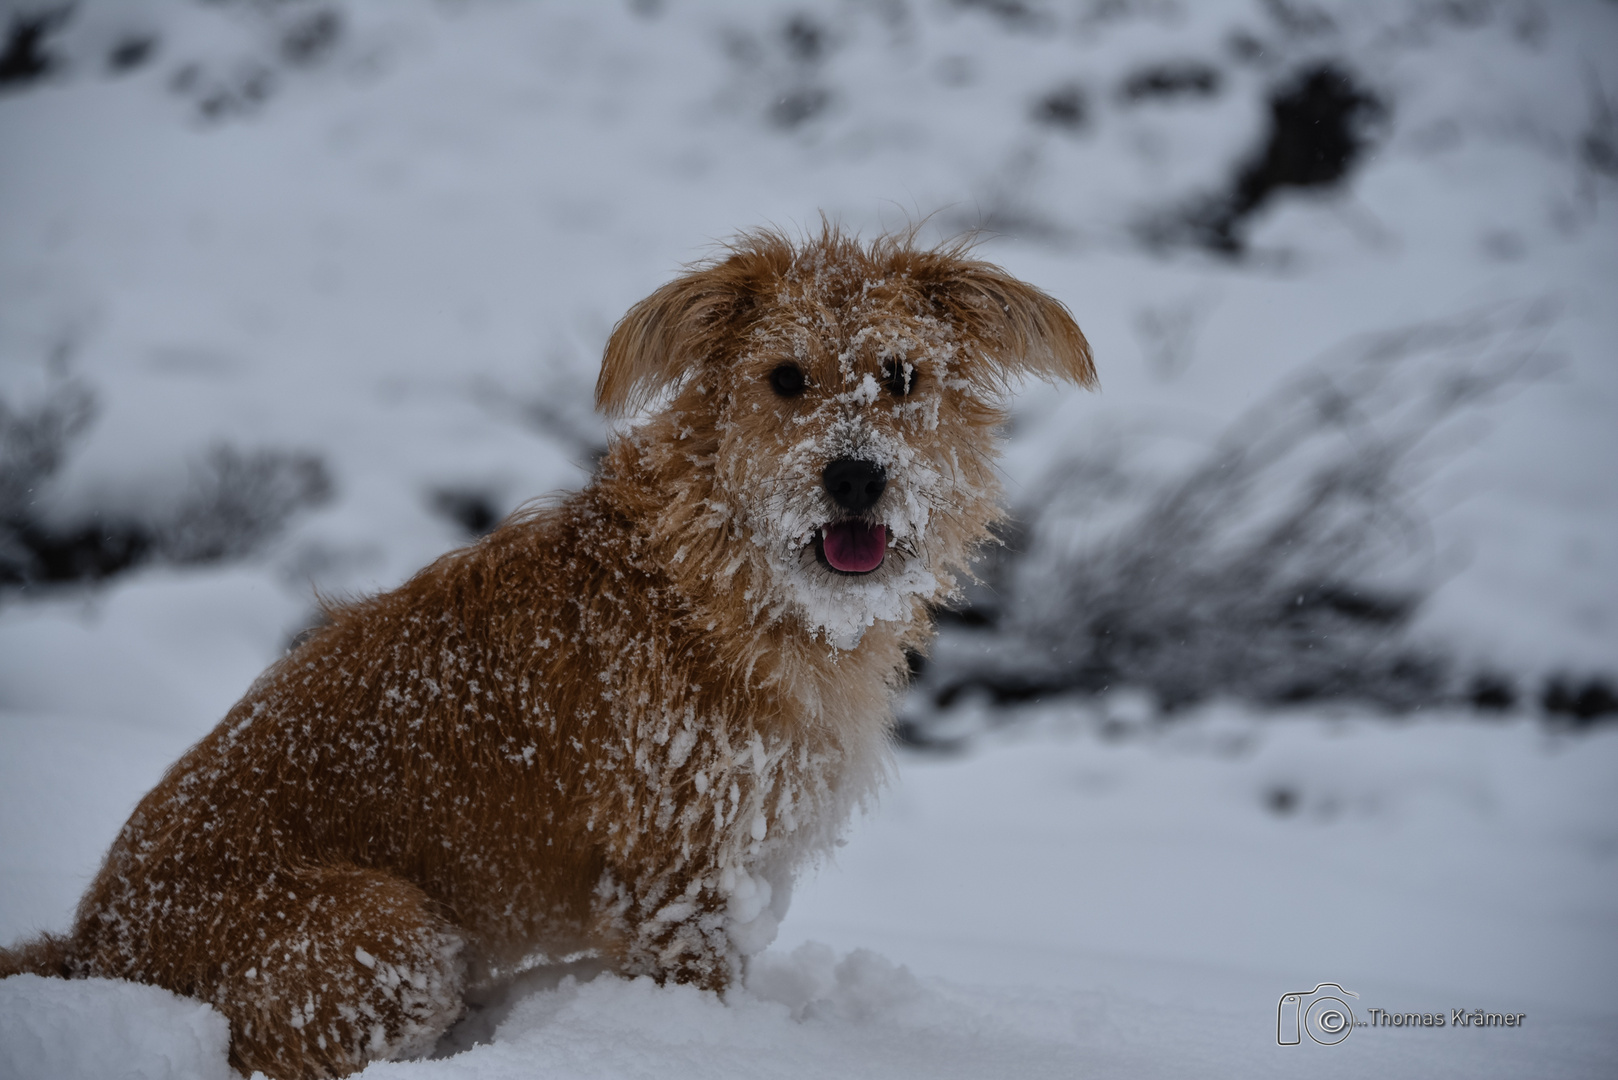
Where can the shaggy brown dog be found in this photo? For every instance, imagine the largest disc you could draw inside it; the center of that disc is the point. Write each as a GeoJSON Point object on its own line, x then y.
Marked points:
{"type": "Point", "coordinates": [618, 724]}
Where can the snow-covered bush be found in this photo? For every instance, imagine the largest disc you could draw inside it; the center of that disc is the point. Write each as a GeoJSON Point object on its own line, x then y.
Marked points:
{"type": "Point", "coordinates": [235, 500]}
{"type": "Point", "coordinates": [223, 59]}
{"type": "Point", "coordinates": [1284, 566]}
{"type": "Point", "coordinates": [34, 441]}
{"type": "Point", "coordinates": [1321, 122]}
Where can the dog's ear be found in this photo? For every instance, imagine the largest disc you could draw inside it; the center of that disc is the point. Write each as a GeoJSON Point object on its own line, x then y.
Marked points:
{"type": "Point", "coordinates": [672, 332]}
{"type": "Point", "coordinates": [1020, 330]}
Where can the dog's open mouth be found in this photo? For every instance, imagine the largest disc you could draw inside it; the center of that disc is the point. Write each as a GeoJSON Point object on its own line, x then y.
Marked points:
{"type": "Point", "coordinates": [852, 547]}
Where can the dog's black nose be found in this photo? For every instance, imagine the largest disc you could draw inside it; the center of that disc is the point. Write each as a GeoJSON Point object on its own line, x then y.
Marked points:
{"type": "Point", "coordinates": [854, 485]}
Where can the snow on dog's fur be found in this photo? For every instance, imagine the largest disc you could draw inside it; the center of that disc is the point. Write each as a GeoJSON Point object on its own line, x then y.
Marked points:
{"type": "Point", "coordinates": [618, 724]}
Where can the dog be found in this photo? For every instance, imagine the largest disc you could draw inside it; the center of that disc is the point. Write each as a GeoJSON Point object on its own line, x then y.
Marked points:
{"type": "Point", "coordinates": [620, 723]}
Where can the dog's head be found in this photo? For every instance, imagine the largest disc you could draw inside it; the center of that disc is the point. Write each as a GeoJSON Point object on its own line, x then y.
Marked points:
{"type": "Point", "coordinates": [827, 446]}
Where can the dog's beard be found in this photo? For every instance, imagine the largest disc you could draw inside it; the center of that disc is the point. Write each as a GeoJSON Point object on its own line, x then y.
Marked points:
{"type": "Point", "coordinates": [839, 606]}
{"type": "Point", "coordinates": [787, 522]}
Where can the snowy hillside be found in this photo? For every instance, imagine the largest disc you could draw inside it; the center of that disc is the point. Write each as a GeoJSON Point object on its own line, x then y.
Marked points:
{"type": "Point", "coordinates": [1300, 667]}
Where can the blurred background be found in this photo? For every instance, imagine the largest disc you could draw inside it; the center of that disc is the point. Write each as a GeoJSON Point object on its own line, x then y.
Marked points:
{"type": "Point", "coordinates": [1299, 662]}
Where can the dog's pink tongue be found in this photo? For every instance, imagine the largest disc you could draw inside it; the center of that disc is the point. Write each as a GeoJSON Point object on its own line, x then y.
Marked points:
{"type": "Point", "coordinates": [855, 547]}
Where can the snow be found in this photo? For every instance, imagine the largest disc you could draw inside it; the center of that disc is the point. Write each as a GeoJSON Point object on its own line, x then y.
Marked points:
{"type": "Point", "coordinates": [104, 1029]}
{"type": "Point", "coordinates": [406, 259]}
{"type": "Point", "coordinates": [1067, 902]}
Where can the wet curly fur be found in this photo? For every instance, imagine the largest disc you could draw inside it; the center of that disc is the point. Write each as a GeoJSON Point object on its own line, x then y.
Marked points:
{"type": "Point", "coordinates": [618, 724]}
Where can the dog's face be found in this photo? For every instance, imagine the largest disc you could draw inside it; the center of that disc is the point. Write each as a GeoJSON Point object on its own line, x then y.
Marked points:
{"type": "Point", "coordinates": [832, 426]}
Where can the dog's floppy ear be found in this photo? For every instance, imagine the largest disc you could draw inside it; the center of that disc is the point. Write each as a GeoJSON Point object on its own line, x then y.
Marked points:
{"type": "Point", "coordinates": [668, 335]}
{"type": "Point", "coordinates": [1020, 329]}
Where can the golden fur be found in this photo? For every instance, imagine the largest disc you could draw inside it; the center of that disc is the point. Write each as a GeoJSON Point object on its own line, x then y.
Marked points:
{"type": "Point", "coordinates": [619, 723]}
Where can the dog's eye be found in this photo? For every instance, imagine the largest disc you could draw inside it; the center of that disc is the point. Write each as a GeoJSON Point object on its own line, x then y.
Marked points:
{"type": "Point", "coordinates": [787, 380]}
{"type": "Point", "coordinates": [899, 378]}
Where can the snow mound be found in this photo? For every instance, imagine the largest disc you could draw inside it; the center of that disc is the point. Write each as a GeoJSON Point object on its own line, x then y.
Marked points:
{"type": "Point", "coordinates": [106, 1029]}
{"type": "Point", "coordinates": [810, 1013]}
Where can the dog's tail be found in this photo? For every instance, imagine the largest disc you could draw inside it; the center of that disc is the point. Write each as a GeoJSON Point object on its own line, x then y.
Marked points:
{"type": "Point", "coordinates": [47, 954]}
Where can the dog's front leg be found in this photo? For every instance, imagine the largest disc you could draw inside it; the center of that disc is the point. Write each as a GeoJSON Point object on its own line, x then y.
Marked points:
{"type": "Point", "coordinates": [672, 927]}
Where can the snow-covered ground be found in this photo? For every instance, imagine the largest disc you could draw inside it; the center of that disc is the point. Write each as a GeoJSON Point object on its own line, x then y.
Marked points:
{"type": "Point", "coordinates": [399, 246]}
{"type": "Point", "coordinates": [1058, 904]}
